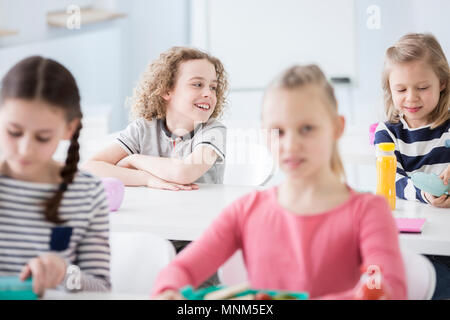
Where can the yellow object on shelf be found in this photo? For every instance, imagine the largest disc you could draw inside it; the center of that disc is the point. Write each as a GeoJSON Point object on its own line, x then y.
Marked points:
{"type": "Point", "coordinates": [5, 33]}
{"type": "Point", "coordinates": [86, 15]}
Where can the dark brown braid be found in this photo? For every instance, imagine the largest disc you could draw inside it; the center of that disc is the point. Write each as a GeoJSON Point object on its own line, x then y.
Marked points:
{"type": "Point", "coordinates": [47, 80]}
{"type": "Point", "coordinates": [67, 174]}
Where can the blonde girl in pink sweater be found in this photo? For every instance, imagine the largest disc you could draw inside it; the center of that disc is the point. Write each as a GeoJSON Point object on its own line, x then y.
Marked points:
{"type": "Point", "coordinates": [312, 233]}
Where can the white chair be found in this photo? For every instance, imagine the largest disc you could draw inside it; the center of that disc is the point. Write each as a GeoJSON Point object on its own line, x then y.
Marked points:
{"type": "Point", "coordinates": [420, 274]}
{"type": "Point", "coordinates": [247, 163]}
{"type": "Point", "coordinates": [89, 146]}
{"type": "Point", "coordinates": [233, 271]}
{"type": "Point", "coordinates": [136, 260]}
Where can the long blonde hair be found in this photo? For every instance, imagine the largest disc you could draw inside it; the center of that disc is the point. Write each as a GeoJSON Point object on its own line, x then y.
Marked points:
{"type": "Point", "coordinates": [160, 77]}
{"type": "Point", "coordinates": [298, 77]}
{"type": "Point", "coordinates": [414, 47]}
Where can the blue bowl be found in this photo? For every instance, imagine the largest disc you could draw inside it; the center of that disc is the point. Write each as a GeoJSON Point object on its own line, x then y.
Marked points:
{"type": "Point", "coordinates": [430, 183]}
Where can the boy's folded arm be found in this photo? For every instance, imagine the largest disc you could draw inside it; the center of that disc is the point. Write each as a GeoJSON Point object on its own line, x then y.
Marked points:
{"type": "Point", "coordinates": [182, 171]}
{"type": "Point", "coordinates": [103, 164]}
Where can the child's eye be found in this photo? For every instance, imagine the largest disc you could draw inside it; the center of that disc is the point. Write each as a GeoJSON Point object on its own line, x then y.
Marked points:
{"type": "Point", "coordinates": [401, 90]}
{"type": "Point", "coordinates": [306, 129]}
{"type": "Point", "coordinates": [198, 85]}
{"type": "Point", "coordinates": [423, 88]}
{"type": "Point", "coordinates": [42, 139]}
{"type": "Point", "coordinates": [213, 88]}
{"type": "Point", "coordinates": [15, 134]}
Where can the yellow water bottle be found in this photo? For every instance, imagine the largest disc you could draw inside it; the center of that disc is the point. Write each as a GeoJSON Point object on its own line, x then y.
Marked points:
{"type": "Point", "coordinates": [386, 170]}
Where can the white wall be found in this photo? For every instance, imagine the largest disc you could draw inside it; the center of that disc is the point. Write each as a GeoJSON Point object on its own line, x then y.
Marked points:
{"type": "Point", "coordinates": [153, 27]}
{"type": "Point", "coordinates": [106, 59]}
{"type": "Point", "coordinates": [258, 38]}
{"type": "Point", "coordinates": [30, 16]}
{"type": "Point", "coordinates": [361, 102]}
{"type": "Point", "coordinates": [428, 17]}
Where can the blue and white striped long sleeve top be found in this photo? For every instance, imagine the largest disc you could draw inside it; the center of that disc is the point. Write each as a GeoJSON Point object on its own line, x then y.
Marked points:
{"type": "Point", "coordinates": [82, 240]}
{"type": "Point", "coordinates": [420, 149]}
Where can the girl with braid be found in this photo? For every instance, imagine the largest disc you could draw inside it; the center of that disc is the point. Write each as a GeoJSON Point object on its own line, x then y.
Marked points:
{"type": "Point", "coordinates": [54, 224]}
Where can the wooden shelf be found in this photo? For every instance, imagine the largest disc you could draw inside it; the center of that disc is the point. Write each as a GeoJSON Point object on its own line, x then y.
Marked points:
{"type": "Point", "coordinates": [5, 33]}
{"type": "Point", "coordinates": [88, 16]}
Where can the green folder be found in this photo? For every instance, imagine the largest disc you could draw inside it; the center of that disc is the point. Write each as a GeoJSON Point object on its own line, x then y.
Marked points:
{"type": "Point", "coordinates": [189, 293]}
{"type": "Point", "coordinates": [12, 288]}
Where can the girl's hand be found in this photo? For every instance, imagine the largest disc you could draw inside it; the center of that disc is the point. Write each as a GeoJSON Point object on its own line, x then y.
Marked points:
{"type": "Point", "coordinates": [440, 202]}
{"type": "Point", "coordinates": [445, 175]}
{"type": "Point", "coordinates": [169, 295]}
{"type": "Point", "coordinates": [47, 270]}
{"type": "Point", "coordinates": [157, 183]}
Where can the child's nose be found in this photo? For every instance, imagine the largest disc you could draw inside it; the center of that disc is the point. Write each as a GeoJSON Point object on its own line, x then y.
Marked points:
{"type": "Point", "coordinates": [411, 95]}
{"type": "Point", "coordinates": [26, 146]}
{"type": "Point", "coordinates": [207, 92]}
{"type": "Point", "coordinates": [291, 143]}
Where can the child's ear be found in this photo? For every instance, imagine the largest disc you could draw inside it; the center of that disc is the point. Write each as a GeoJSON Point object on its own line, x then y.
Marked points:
{"type": "Point", "coordinates": [340, 127]}
{"type": "Point", "coordinates": [71, 128]}
{"type": "Point", "coordinates": [443, 86]}
{"type": "Point", "coordinates": [167, 96]}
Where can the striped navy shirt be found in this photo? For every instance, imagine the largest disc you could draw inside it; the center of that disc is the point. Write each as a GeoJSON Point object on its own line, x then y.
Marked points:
{"type": "Point", "coordinates": [417, 150]}
{"type": "Point", "coordinates": [82, 240]}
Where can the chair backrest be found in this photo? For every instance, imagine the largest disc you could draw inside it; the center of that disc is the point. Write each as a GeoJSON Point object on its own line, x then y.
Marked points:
{"type": "Point", "coordinates": [233, 271]}
{"type": "Point", "coordinates": [89, 146]}
{"type": "Point", "coordinates": [136, 260]}
{"type": "Point", "coordinates": [372, 129]}
{"type": "Point", "coordinates": [247, 163]}
{"type": "Point", "coordinates": [420, 276]}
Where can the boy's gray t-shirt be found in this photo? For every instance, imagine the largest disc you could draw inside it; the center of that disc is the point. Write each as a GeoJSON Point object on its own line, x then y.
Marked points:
{"type": "Point", "coordinates": [152, 138]}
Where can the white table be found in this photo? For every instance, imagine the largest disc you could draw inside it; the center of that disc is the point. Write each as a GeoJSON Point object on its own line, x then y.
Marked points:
{"type": "Point", "coordinates": [175, 215]}
{"type": "Point", "coordinates": [62, 295]}
{"type": "Point", "coordinates": [435, 236]}
{"type": "Point", "coordinates": [184, 215]}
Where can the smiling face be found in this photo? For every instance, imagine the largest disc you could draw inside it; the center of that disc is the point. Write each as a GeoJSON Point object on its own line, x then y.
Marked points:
{"type": "Point", "coordinates": [193, 98]}
{"type": "Point", "coordinates": [307, 134]}
{"type": "Point", "coordinates": [415, 91]}
{"type": "Point", "coordinates": [30, 131]}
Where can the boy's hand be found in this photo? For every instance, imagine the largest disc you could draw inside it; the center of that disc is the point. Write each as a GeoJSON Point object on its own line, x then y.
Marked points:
{"type": "Point", "coordinates": [157, 183]}
{"type": "Point", "coordinates": [47, 270]}
{"type": "Point", "coordinates": [440, 202]}
{"type": "Point", "coordinates": [169, 295]}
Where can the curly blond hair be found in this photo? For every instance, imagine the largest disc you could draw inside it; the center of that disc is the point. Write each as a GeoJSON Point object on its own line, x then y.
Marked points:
{"type": "Point", "coordinates": [160, 77]}
{"type": "Point", "coordinates": [414, 47]}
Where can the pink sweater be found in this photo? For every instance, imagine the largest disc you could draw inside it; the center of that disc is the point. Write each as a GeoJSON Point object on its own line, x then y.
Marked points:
{"type": "Point", "coordinates": [320, 254]}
